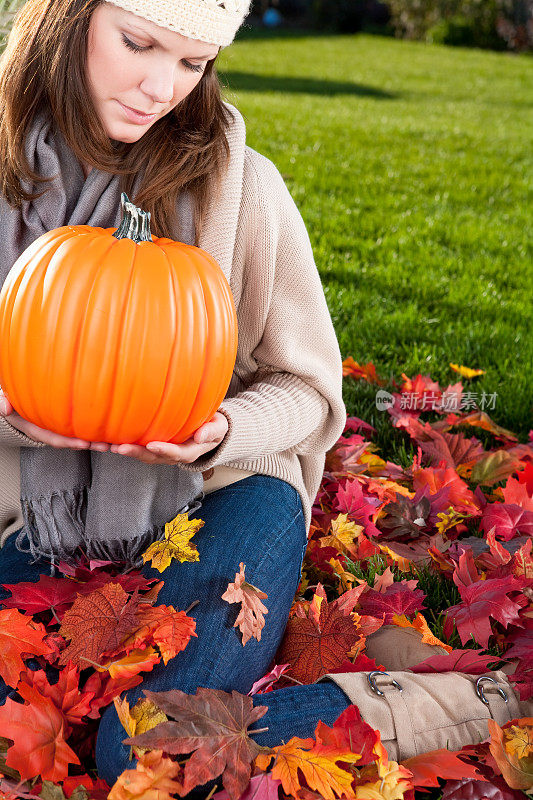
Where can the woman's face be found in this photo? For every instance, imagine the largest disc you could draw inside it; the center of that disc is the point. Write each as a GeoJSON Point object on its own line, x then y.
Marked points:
{"type": "Point", "coordinates": [153, 80]}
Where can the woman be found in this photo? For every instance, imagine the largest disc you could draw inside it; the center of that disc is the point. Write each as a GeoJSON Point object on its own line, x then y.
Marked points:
{"type": "Point", "coordinates": [266, 444]}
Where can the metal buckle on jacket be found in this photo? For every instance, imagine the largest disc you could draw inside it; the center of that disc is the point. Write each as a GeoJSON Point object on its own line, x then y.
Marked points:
{"type": "Point", "coordinates": [481, 694]}
{"type": "Point", "coordinates": [371, 680]}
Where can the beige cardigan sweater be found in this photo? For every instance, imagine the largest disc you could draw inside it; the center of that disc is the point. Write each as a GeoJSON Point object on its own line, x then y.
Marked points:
{"type": "Point", "coordinates": [284, 403]}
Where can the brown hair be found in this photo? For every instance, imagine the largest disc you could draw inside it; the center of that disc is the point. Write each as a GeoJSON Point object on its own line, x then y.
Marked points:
{"type": "Point", "coordinates": [43, 65]}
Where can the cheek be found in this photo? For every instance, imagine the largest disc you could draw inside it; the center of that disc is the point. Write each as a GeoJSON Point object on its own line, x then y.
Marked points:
{"type": "Point", "coordinates": [186, 85]}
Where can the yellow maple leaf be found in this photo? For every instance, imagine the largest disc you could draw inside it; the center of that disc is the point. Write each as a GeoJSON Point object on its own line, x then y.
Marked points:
{"type": "Point", "coordinates": [318, 766]}
{"type": "Point", "coordinates": [519, 740]}
{"type": "Point", "coordinates": [144, 716]}
{"type": "Point", "coordinates": [419, 624]}
{"type": "Point", "coordinates": [176, 544]}
{"type": "Point", "coordinates": [467, 372]}
{"type": "Point", "coordinates": [393, 780]}
{"type": "Point", "coordinates": [343, 536]}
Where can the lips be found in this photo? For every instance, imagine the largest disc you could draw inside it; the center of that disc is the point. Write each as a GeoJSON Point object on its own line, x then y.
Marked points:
{"type": "Point", "coordinates": [136, 116]}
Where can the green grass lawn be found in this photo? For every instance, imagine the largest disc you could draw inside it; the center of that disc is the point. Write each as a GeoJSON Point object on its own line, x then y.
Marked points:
{"type": "Point", "coordinates": [411, 165]}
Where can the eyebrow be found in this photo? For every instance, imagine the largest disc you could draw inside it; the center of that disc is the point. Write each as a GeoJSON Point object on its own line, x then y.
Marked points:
{"type": "Point", "coordinates": [146, 33]}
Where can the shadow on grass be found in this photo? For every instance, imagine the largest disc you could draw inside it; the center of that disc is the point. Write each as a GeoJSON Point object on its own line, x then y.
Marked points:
{"type": "Point", "coordinates": [250, 82]}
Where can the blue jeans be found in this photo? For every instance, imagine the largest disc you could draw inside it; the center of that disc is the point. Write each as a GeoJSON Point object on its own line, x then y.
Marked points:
{"type": "Point", "coordinates": [258, 520]}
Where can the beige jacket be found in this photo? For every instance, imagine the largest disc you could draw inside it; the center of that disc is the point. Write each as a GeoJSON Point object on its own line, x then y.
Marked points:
{"type": "Point", "coordinates": [284, 403]}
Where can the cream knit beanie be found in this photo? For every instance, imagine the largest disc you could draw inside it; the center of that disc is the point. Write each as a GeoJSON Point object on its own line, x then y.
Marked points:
{"type": "Point", "coordinates": [213, 21]}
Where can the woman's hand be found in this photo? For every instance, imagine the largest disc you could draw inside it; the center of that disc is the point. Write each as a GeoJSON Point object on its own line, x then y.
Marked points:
{"type": "Point", "coordinates": [41, 434]}
{"type": "Point", "coordinates": [205, 438]}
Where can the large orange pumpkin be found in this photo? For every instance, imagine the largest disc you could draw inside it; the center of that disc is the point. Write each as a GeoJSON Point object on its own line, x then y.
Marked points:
{"type": "Point", "coordinates": [112, 335]}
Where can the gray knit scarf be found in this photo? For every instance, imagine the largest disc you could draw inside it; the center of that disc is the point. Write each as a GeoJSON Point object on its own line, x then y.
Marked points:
{"type": "Point", "coordinates": [105, 505]}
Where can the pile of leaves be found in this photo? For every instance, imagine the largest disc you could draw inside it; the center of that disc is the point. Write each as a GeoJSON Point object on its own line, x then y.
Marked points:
{"type": "Point", "coordinates": [442, 545]}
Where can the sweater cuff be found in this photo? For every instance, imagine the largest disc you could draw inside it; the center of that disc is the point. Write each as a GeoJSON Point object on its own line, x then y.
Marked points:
{"type": "Point", "coordinates": [224, 451]}
{"type": "Point", "coordinates": [12, 437]}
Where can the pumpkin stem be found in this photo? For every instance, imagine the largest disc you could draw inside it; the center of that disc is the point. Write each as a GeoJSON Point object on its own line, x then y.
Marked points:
{"type": "Point", "coordinates": [135, 223]}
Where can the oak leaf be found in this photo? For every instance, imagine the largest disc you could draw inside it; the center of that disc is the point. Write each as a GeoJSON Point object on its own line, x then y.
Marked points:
{"type": "Point", "coordinates": [318, 765]}
{"type": "Point", "coordinates": [19, 634]}
{"type": "Point", "coordinates": [97, 623]}
{"type": "Point", "coordinates": [250, 618]}
{"type": "Point", "coordinates": [176, 544]}
{"type": "Point", "coordinates": [153, 779]}
{"type": "Point", "coordinates": [212, 725]}
{"type": "Point", "coordinates": [37, 730]}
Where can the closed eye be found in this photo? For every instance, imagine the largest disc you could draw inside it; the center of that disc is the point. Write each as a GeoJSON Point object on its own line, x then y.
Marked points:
{"type": "Point", "coordinates": [138, 49]}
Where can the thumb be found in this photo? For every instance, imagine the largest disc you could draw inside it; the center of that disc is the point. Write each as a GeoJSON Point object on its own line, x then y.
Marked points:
{"type": "Point", "coordinates": [5, 406]}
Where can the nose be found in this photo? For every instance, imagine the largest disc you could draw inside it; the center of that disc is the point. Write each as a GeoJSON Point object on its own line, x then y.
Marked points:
{"type": "Point", "coordinates": [159, 86]}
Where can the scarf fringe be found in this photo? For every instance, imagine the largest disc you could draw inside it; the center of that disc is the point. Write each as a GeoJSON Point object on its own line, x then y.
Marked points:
{"type": "Point", "coordinates": [40, 521]}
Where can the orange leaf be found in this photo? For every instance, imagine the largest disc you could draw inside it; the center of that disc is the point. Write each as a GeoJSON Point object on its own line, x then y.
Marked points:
{"type": "Point", "coordinates": [517, 772]}
{"type": "Point", "coordinates": [165, 627]}
{"type": "Point", "coordinates": [419, 624]}
{"type": "Point", "coordinates": [153, 779]}
{"type": "Point", "coordinates": [18, 634]}
{"type": "Point", "coordinates": [136, 661]}
{"type": "Point", "coordinates": [318, 765]}
{"type": "Point", "coordinates": [445, 764]}
{"type": "Point", "coordinates": [366, 372]}
{"type": "Point", "coordinates": [39, 747]}
{"type": "Point", "coordinates": [250, 619]}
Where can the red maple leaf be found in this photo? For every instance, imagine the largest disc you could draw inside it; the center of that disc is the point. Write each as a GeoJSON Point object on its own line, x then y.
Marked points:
{"type": "Point", "coordinates": [65, 694]}
{"type": "Point", "coordinates": [520, 491]}
{"type": "Point", "coordinates": [360, 509]}
{"type": "Point", "coordinates": [483, 600]}
{"type": "Point", "coordinates": [60, 593]}
{"type": "Point", "coordinates": [508, 519]}
{"type": "Point", "coordinates": [349, 732]}
{"type": "Point", "coordinates": [474, 662]}
{"type": "Point", "coordinates": [397, 599]}
{"type": "Point", "coordinates": [36, 729]}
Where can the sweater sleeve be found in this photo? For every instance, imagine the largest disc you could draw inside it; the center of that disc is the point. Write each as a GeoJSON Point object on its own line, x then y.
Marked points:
{"type": "Point", "coordinates": [12, 437]}
{"type": "Point", "coordinates": [287, 341]}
